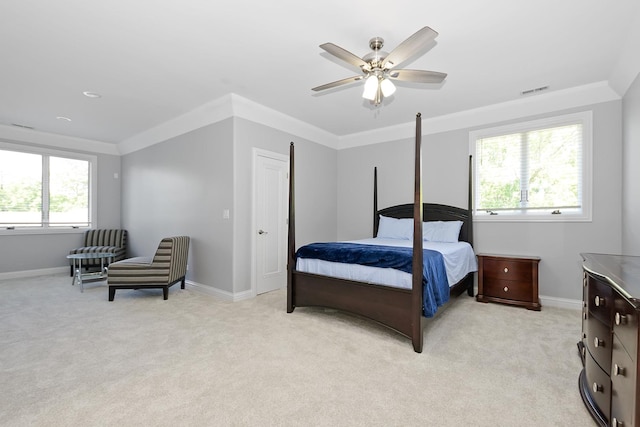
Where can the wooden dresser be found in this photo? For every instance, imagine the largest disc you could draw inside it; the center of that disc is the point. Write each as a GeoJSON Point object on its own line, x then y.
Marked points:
{"type": "Point", "coordinates": [508, 279]}
{"type": "Point", "coordinates": [609, 383]}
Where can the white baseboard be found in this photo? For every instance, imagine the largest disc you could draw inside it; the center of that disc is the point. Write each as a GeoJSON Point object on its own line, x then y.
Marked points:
{"type": "Point", "coordinates": [198, 287]}
{"type": "Point", "coordinates": [546, 301]}
{"type": "Point", "coordinates": [220, 294]}
{"type": "Point", "coordinates": [34, 273]}
{"type": "Point", "coordinates": [572, 304]}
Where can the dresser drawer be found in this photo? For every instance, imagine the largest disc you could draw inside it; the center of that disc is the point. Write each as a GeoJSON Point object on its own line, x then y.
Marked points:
{"type": "Point", "coordinates": [599, 340]}
{"type": "Point", "coordinates": [599, 384]}
{"type": "Point", "coordinates": [625, 325]}
{"type": "Point", "coordinates": [609, 383]}
{"type": "Point", "coordinates": [600, 300]}
{"type": "Point", "coordinates": [623, 386]}
{"type": "Point", "coordinates": [507, 269]}
{"type": "Point", "coordinates": [511, 290]}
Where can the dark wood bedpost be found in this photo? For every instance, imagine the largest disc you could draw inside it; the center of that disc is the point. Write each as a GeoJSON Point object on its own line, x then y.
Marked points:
{"type": "Point", "coordinates": [416, 294]}
{"type": "Point", "coordinates": [291, 249]}
{"type": "Point", "coordinates": [470, 213]}
{"type": "Point", "coordinates": [375, 201]}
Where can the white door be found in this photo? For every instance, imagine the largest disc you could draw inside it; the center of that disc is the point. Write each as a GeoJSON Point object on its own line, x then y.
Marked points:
{"type": "Point", "coordinates": [270, 225]}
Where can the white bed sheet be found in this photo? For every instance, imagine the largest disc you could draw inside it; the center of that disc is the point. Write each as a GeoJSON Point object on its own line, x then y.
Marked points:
{"type": "Point", "coordinates": [459, 260]}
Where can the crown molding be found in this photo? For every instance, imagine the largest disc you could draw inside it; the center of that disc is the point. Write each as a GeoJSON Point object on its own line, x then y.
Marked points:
{"type": "Point", "coordinates": [32, 136]}
{"type": "Point", "coordinates": [258, 113]}
{"type": "Point", "coordinates": [230, 105]}
{"type": "Point", "coordinates": [209, 113]}
{"type": "Point", "coordinates": [233, 105]}
{"type": "Point", "coordinates": [628, 66]}
{"type": "Point", "coordinates": [524, 107]}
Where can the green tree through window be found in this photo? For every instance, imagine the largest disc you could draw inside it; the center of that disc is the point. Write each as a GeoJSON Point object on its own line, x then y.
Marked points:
{"type": "Point", "coordinates": [535, 170]}
{"type": "Point", "coordinates": [44, 190]}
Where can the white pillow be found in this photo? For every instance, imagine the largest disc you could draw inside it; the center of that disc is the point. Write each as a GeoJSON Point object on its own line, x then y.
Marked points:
{"type": "Point", "coordinates": [441, 231]}
{"type": "Point", "coordinates": [394, 228]}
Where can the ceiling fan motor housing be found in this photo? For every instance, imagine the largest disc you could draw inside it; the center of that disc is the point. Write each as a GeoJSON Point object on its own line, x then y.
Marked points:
{"type": "Point", "coordinates": [376, 57]}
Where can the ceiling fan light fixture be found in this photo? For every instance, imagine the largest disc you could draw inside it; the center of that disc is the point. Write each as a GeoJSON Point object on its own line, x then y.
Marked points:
{"type": "Point", "coordinates": [370, 88]}
{"type": "Point", "coordinates": [378, 67]}
{"type": "Point", "coordinates": [387, 87]}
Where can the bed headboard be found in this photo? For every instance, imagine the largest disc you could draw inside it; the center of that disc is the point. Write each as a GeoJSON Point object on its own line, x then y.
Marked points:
{"type": "Point", "coordinates": [430, 211]}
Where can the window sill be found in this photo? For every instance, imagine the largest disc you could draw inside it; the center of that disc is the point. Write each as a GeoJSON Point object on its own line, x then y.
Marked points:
{"type": "Point", "coordinates": [532, 218]}
{"type": "Point", "coordinates": [27, 231]}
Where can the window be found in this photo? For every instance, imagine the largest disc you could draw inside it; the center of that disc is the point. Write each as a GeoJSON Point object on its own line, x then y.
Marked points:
{"type": "Point", "coordinates": [45, 189]}
{"type": "Point", "coordinates": [534, 171]}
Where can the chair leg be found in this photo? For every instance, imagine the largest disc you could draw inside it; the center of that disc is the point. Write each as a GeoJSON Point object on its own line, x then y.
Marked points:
{"type": "Point", "coordinates": [182, 283]}
{"type": "Point", "coordinates": [165, 292]}
{"type": "Point", "coordinates": [71, 271]}
{"type": "Point", "coordinates": [112, 293]}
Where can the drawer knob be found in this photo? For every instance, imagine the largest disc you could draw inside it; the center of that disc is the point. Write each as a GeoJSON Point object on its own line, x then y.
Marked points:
{"type": "Point", "coordinates": [621, 319]}
{"type": "Point", "coordinates": [597, 342]}
{"type": "Point", "coordinates": [599, 301]}
{"type": "Point", "coordinates": [597, 387]}
{"type": "Point", "coordinates": [506, 289]}
{"type": "Point", "coordinates": [617, 423]}
{"type": "Point", "coordinates": [618, 370]}
{"type": "Point", "coordinates": [506, 270]}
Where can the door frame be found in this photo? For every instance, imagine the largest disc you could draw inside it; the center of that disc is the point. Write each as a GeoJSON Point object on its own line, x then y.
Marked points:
{"type": "Point", "coordinates": [258, 152]}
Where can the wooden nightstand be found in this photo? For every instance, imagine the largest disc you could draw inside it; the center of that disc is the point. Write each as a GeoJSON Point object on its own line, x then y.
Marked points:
{"type": "Point", "coordinates": [509, 280]}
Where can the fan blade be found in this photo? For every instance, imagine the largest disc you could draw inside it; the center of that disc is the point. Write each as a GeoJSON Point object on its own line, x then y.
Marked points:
{"type": "Point", "coordinates": [419, 76]}
{"type": "Point", "coordinates": [409, 47]}
{"type": "Point", "coordinates": [338, 83]}
{"type": "Point", "coordinates": [343, 54]}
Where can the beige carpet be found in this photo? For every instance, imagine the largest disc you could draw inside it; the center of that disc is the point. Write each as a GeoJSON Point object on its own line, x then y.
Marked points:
{"type": "Point", "coordinates": [74, 359]}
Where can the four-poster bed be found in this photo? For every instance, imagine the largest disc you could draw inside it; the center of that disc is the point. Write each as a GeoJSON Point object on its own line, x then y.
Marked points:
{"type": "Point", "coordinates": [398, 308]}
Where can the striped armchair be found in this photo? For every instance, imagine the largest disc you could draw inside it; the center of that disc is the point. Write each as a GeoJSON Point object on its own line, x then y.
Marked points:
{"type": "Point", "coordinates": [167, 267]}
{"type": "Point", "coordinates": [104, 241]}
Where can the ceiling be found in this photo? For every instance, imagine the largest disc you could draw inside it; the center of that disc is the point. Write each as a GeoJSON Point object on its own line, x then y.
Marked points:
{"type": "Point", "coordinates": [152, 61]}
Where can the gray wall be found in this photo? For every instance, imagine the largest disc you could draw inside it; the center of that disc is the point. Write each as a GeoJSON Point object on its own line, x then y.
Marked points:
{"type": "Point", "coordinates": [181, 187]}
{"type": "Point", "coordinates": [316, 217]}
{"type": "Point", "coordinates": [445, 165]}
{"type": "Point", "coordinates": [631, 171]}
{"type": "Point", "coordinates": [23, 252]}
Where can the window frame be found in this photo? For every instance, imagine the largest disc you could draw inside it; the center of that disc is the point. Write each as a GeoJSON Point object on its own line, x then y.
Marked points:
{"type": "Point", "coordinates": [93, 190]}
{"type": "Point", "coordinates": [586, 119]}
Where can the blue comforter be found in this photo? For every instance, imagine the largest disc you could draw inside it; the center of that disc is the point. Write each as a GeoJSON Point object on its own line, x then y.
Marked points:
{"type": "Point", "coordinates": [434, 277]}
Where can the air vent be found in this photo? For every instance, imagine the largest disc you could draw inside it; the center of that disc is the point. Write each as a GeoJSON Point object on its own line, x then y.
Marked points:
{"type": "Point", "coordinates": [21, 126]}
{"type": "Point", "coordinates": [536, 90]}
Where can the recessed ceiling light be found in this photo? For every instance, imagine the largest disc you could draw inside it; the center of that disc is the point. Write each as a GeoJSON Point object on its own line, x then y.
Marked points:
{"type": "Point", "coordinates": [91, 94]}
{"type": "Point", "coordinates": [63, 118]}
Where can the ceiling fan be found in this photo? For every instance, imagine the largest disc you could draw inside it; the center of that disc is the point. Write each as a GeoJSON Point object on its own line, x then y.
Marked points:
{"type": "Point", "coordinates": [378, 67]}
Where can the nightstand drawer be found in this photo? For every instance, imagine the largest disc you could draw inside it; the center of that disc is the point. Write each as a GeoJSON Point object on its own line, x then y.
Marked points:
{"type": "Point", "coordinates": [507, 269]}
{"type": "Point", "coordinates": [517, 291]}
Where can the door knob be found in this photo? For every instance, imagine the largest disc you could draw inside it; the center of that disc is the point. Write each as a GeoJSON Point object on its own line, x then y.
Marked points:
{"type": "Point", "coordinates": [262, 232]}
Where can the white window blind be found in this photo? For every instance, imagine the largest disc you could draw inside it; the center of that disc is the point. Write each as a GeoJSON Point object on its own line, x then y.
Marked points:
{"type": "Point", "coordinates": [534, 170]}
